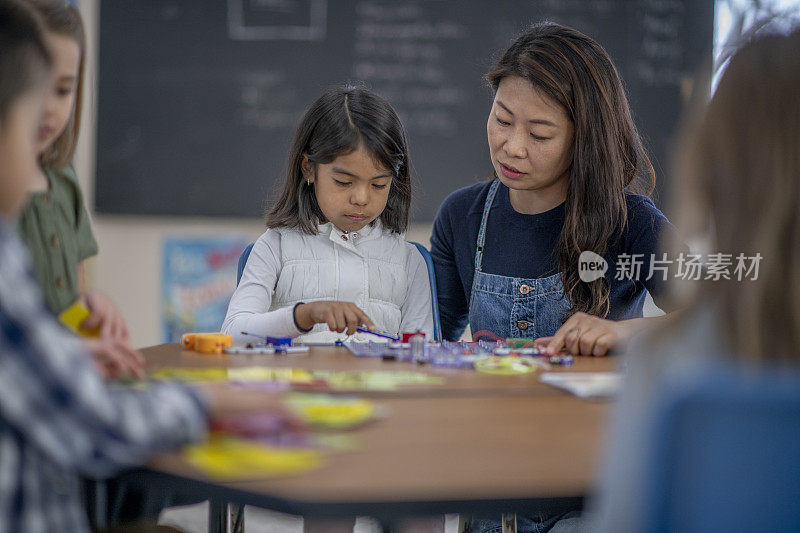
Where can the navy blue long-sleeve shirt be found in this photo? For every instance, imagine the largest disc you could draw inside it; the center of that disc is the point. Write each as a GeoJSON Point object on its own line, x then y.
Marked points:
{"type": "Point", "coordinates": [523, 246]}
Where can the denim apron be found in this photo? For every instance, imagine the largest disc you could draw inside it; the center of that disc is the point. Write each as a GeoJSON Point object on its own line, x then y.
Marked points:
{"type": "Point", "coordinates": [513, 307]}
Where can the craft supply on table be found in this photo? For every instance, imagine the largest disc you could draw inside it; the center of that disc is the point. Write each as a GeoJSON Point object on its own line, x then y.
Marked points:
{"type": "Point", "coordinates": [269, 377]}
{"type": "Point", "coordinates": [585, 384]}
{"type": "Point", "coordinates": [269, 345]}
{"type": "Point", "coordinates": [250, 349]}
{"type": "Point", "coordinates": [455, 354]}
{"type": "Point", "coordinates": [416, 348]}
{"type": "Point", "coordinates": [444, 354]}
{"type": "Point", "coordinates": [517, 342]}
{"type": "Point", "coordinates": [208, 343]}
{"type": "Point", "coordinates": [510, 366]}
{"type": "Point", "coordinates": [323, 411]}
{"type": "Point", "coordinates": [230, 458]}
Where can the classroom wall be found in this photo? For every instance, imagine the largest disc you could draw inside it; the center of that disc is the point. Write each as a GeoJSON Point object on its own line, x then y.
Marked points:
{"type": "Point", "coordinates": [128, 267]}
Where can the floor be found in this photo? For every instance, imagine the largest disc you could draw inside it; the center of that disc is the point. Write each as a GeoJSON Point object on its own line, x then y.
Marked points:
{"type": "Point", "coordinates": [194, 519]}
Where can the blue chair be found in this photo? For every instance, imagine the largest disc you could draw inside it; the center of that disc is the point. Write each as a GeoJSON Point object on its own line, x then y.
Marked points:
{"type": "Point", "coordinates": [243, 261]}
{"type": "Point", "coordinates": [426, 255]}
{"type": "Point", "coordinates": [727, 455]}
{"type": "Point", "coordinates": [437, 325]}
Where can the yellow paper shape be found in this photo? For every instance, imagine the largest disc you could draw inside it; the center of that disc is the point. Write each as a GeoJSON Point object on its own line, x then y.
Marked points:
{"type": "Point", "coordinates": [330, 412]}
{"type": "Point", "coordinates": [233, 458]}
{"type": "Point", "coordinates": [264, 373]}
{"type": "Point", "coordinates": [74, 315]}
{"type": "Point", "coordinates": [193, 375]}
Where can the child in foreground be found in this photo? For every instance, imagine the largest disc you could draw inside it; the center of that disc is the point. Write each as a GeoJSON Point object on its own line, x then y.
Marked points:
{"type": "Point", "coordinates": [58, 419]}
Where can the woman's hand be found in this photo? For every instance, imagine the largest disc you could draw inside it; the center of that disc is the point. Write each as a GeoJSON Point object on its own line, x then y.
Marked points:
{"type": "Point", "coordinates": [115, 358]}
{"type": "Point", "coordinates": [339, 316]}
{"type": "Point", "coordinates": [106, 316]}
{"type": "Point", "coordinates": [584, 334]}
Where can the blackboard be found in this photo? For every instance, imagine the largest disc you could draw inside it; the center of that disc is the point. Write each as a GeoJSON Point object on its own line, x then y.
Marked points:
{"type": "Point", "coordinates": [198, 99]}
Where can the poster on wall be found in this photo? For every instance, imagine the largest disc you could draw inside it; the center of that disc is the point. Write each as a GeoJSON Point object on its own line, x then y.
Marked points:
{"type": "Point", "coordinates": [198, 279]}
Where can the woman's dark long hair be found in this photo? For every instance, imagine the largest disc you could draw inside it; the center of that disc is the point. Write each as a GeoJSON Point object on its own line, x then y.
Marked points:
{"type": "Point", "coordinates": [336, 124]}
{"type": "Point", "coordinates": [608, 157]}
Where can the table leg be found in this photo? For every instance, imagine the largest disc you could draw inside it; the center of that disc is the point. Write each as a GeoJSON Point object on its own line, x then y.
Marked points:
{"type": "Point", "coordinates": [237, 517]}
{"type": "Point", "coordinates": [217, 516]}
{"type": "Point", "coordinates": [509, 523]}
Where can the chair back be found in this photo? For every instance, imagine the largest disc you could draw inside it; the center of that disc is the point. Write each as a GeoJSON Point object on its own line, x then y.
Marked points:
{"type": "Point", "coordinates": [437, 325]}
{"type": "Point", "coordinates": [243, 262]}
{"type": "Point", "coordinates": [727, 455]}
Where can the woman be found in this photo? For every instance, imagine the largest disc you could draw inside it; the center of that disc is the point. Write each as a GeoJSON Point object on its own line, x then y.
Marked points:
{"type": "Point", "coordinates": [567, 159]}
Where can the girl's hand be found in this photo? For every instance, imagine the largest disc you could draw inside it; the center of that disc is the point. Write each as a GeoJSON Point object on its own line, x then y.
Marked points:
{"type": "Point", "coordinates": [106, 316]}
{"type": "Point", "coordinates": [113, 358]}
{"type": "Point", "coordinates": [340, 316]}
{"type": "Point", "coordinates": [584, 334]}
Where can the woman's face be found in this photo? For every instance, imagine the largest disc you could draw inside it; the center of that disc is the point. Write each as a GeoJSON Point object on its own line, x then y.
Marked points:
{"type": "Point", "coordinates": [530, 140]}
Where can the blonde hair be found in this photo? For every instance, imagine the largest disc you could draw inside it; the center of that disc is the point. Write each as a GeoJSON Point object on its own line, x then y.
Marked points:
{"type": "Point", "coordinates": [739, 182]}
{"type": "Point", "coordinates": [61, 18]}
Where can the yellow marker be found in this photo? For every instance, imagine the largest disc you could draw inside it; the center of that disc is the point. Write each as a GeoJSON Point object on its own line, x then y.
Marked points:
{"type": "Point", "coordinates": [75, 315]}
{"type": "Point", "coordinates": [212, 343]}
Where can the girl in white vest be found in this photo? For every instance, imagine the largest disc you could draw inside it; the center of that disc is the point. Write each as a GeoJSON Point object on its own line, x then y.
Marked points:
{"type": "Point", "coordinates": [334, 256]}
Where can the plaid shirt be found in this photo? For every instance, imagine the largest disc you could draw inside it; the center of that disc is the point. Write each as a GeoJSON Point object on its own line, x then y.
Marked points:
{"type": "Point", "coordinates": [58, 419]}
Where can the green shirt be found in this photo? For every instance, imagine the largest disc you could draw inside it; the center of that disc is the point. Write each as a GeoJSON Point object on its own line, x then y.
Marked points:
{"type": "Point", "coordinates": [55, 227]}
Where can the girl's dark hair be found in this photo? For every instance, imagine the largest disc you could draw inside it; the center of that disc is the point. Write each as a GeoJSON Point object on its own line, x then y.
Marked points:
{"type": "Point", "coordinates": [574, 71]}
{"type": "Point", "coordinates": [62, 18]}
{"type": "Point", "coordinates": [336, 124]}
{"type": "Point", "coordinates": [24, 60]}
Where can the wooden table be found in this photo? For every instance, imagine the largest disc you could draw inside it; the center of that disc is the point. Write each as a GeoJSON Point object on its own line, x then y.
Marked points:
{"type": "Point", "coordinates": [475, 443]}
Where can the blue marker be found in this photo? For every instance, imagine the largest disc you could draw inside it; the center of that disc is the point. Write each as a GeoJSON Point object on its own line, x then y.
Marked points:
{"type": "Point", "coordinates": [362, 329]}
{"type": "Point", "coordinates": [256, 335]}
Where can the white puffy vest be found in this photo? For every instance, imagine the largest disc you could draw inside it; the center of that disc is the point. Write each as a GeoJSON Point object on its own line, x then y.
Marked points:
{"type": "Point", "coordinates": [367, 267]}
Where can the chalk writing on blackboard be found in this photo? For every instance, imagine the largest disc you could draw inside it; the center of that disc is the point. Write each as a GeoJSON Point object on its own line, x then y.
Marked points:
{"type": "Point", "coordinates": [276, 20]}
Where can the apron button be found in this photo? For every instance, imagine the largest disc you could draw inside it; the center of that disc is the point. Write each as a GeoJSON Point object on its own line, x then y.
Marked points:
{"type": "Point", "coordinates": [524, 289]}
{"type": "Point", "coordinates": [522, 324]}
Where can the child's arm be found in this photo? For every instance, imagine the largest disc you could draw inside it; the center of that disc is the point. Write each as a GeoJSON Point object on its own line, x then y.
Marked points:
{"type": "Point", "coordinates": [249, 306]}
{"type": "Point", "coordinates": [54, 400]}
{"type": "Point", "coordinates": [416, 311]}
{"type": "Point", "coordinates": [104, 314]}
{"type": "Point", "coordinates": [250, 303]}
{"type": "Point", "coordinates": [52, 397]}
